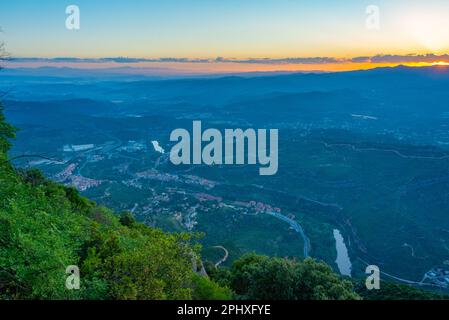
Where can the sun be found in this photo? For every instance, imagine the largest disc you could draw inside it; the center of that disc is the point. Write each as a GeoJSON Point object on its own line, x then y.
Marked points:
{"type": "Point", "coordinates": [440, 63]}
{"type": "Point", "coordinates": [428, 29]}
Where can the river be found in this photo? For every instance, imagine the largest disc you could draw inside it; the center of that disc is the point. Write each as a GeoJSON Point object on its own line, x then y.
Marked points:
{"type": "Point", "coordinates": [343, 262]}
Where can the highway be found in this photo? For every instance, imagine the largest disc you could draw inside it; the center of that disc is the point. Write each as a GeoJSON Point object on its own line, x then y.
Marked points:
{"type": "Point", "coordinates": [297, 227]}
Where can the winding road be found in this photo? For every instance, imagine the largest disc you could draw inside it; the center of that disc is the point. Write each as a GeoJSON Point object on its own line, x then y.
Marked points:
{"type": "Point", "coordinates": [225, 257]}
{"type": "Point", "coordinates": [297, 227]}
{"type": "Point", "coordinates": [397, 152]}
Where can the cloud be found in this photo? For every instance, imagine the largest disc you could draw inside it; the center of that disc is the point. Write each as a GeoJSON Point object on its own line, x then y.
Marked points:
{"type": "Point", "coordinates": [98, 60]}
{"type": "Point", "coordinates": [409, 58]}
{"type": "Point", "coordinates": [312, 60]}
{"type": "Point", "coordinates": [360, 59]}
{"type": "Point", "coordinates": [380, 58]}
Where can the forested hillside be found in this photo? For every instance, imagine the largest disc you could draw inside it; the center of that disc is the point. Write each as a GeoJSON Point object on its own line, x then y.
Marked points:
{"type": "Point", "coordinates": [46, 227]}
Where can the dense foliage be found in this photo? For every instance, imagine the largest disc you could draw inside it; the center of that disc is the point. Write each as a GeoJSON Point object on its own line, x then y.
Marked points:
{"type": "Point", "coordinates": [264, 278]}
{"type": "Point", "coordinates": [6, 132]}
{"type": "Point", "coordinates": [45, 227]}
{"type": "Point", "coordinates": [393, 291]}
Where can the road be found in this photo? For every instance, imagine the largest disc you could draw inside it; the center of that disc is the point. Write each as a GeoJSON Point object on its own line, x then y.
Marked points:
{"type": "Point", "coordinates": [421, 283]}
{"type": "Point", "coordinates": [297, 227]}
{"type": "Point", "coordinates": [396, 152]}
{"type": "Point", "coordinates": [225, 257]}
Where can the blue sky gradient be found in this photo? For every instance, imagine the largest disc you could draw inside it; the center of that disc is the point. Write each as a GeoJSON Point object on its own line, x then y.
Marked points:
{"type": "Point", "coordinates": [244, 29]}
{"type": "Point", "coordinates": [200, 28]}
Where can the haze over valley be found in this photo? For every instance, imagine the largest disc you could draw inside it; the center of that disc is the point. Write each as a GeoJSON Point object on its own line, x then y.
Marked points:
{"type": "Point", "coordinates": [363, 160]}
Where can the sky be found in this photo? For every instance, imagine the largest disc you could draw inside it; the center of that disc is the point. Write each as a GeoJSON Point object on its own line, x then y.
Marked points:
{"type": "Point", "coordinates": [238, 32]}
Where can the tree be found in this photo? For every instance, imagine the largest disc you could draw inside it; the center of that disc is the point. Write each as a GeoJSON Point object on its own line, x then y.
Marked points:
{"type": "Point", "coordinates": [6, 132]}
{"type": "Point", "coordinates": [394, 291]}
{"type": "Point", "coordinates": [263, 278]}
{"type": "Point", "coordinates": [205, 289]}
{"type": "Point", "coordinates": [316, 281]}
{"type": "Point", "coordinates": [127, 219]}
